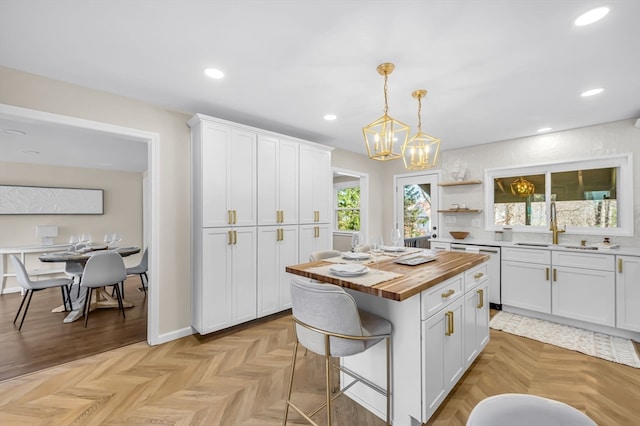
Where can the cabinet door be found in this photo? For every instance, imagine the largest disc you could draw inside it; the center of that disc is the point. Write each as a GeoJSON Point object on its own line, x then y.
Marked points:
{"type": "Point", "coordinates": [212, 293]}
{"type": "Point", "coordinates": [244, 261]}
{"type": "Point", "coordinates": [267, 180]}
{"type": "Point", "coordinates": [315, 185]}
{"type": "Point", "coordinates": [242, 180]}
{"type": "Point", "coordinates": [442, 356]}
{"type": "Point", "coordinates": [288, 179]}
{"type": "Point", "coordinates": [584, 294]}
{"type": "Point", "coordinates": [526, 285]}
{"type": "Point", "coordinates": [288, 256]}
{"type": "Point", "coordinates": [476, 322]}
{"type": "Point", "coordinates": [268, 271]}
{"type": "Point", "coordinates": [313, 238]}
{"type": "Point", "coordinates": [628, 293]}
{"type": "Point", "coordinates": [215, 178]}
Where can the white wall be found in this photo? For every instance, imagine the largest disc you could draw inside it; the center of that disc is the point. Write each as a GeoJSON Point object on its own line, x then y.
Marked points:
{"type": "Point", "coordinates": [30, 91]}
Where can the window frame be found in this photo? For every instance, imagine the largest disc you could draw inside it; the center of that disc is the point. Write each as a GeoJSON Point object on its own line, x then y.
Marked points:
{"type": "Point", "coordinates": [624, 164]}
{"type": "Point", "coordinates": [336, 209]}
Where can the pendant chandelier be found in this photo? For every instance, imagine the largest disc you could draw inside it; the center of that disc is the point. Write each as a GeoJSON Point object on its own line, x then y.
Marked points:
{"type": "Point", "coordinates": [522, 187]}
{"type": "Point", "coordinates": [381, 135]}
{"type": "Point", "coordinates": [417, 151]}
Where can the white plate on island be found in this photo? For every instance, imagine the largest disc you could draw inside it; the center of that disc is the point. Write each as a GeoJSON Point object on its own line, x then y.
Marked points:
{"type": "Point", "coordinates": [350, 255]}
{"type": "Point", "coordinates": [348, 270]}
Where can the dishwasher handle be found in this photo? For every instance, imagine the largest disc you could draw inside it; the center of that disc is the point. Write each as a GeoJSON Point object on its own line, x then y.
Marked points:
{"type": "Point", "coordinates": [484, 250]}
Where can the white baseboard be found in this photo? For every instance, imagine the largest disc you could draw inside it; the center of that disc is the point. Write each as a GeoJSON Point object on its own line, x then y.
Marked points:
{"type": "Point", "coordinates": [172, 335]}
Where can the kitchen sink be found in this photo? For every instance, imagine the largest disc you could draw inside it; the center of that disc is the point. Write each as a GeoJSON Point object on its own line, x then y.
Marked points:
{"type": "Point", "coordinates": [531, 244]}
{"type": "Point", "coordinates": [580, 247]}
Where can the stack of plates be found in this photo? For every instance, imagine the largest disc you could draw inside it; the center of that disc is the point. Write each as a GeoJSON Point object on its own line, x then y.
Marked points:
{"type": "Point", "coordinates": [355, 255]}
{"type": "Point", "coordinates": [348, 270]}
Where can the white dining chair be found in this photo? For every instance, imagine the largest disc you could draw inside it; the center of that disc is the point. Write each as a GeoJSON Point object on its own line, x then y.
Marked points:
{"type": "Point", "coordinates": [103, 269]}
{"type": "Point", "coordinates": [141, 269]}
{"type": "Point", "coordinates": [33, 286]}
{"type": "Point", "coordinates": [328, 322]}
{"type": "Point", "coordinates": [515, 409]}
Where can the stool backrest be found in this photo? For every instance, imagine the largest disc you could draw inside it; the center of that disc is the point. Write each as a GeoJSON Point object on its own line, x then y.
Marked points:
{"type": "Point", "coordinates": [326, 307]}
{"type": "Point", "coordinates": [21, 273]}
{"type": "Point", "coordinates": [323, 254]}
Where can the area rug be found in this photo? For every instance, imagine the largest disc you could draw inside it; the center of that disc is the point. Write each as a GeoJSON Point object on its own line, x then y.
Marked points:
{"type": "Point", "coordinates": [599, 345]}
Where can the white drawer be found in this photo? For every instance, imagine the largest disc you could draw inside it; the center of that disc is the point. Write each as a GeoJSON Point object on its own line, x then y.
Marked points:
{"type": "Point", "coordinates": [475, 276]}
{"type": "Point", "coordinates": [597, 261]}
{"type": "Point", "coordinates": [439, 296]}
{"type": "Point", "coordinates": [526, 255]}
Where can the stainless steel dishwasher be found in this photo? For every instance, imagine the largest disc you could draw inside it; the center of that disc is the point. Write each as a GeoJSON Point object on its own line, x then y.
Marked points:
{"type": "Point", "coordinates": [493, 269]}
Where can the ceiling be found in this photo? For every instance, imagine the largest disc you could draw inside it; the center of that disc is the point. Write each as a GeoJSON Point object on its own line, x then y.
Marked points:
{"type": "Point", "coordinates": [494, 69]}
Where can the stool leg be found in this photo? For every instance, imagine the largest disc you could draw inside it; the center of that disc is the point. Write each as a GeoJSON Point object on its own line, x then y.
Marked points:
{"type": "Point", "coordinates": [21, 304]}
{"type": "Point", "coordinates": [293, 367]}
{"type": "Point", "coordinates": [388, 339]}
{"type": "Point", "coordinates": [26, 308]}
{"type": "Point", "coordinates": [87, 305]}
{"type": "Point", "coordinates": [327, 361]}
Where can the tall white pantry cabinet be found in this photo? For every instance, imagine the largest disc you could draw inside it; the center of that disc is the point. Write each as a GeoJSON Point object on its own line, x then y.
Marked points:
{"type": "Point", "coordinates": [250, 190]}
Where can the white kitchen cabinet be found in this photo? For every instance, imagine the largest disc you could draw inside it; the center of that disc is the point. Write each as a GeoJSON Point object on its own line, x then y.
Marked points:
{"type": "Point", "coordinates": [224, 182]}
{"type": "Point", "coordinates": [225, 293]}
{"type": "Point", "coordinates": [277, 181]}
{"type": "Point", "coordinates": [316, 185]}
{"type": "Point", "coordinates": [442, 355]}
{"type": "Point", "coordinates": [277, 248]}
{"type": "Point", "coordinates": [584, 293]}
{"type": "Point", "coordinates": [476, 321]}
{"type": "Point", "coordinates": [526, 279]}
{"type": "Point", "coordinates": [313, 238]}
{"type": "Point", "coordinates": [628, 292]}
{"type": "Point", "coordinates": [439, 245]}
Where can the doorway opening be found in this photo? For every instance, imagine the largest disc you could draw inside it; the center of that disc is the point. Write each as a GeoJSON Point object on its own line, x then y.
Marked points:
{"type": "Point", "coordinates": [416, 206]}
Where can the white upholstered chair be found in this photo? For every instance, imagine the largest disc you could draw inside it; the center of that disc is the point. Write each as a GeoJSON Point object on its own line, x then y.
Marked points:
{"type": "Point", "coordinates": [103, 269]}
{"type": "Point", "coordinates": [323, 254]}
{"type": "Point", "coordinates": [328, 322]}
{"type": "Point", "coordinates": [525, 410]}
{"type": "Point", "coordinates": [33, 286]}
{"type": "Point", "coordinates": [141, 269]}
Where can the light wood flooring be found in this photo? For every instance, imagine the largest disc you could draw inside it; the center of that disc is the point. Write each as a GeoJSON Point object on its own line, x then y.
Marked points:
{"type": "Point", "coordinates": [239, 376]}
{"type": "Point", "coordinates": [45, 341]}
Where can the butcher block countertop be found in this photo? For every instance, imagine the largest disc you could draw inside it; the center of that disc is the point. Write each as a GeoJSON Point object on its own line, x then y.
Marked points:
{"type": "Point", "coordinates": [414, 279]}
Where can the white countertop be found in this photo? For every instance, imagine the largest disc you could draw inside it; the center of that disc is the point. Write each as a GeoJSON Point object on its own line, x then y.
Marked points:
{"type": "Point", "coordinates": [630, 251]}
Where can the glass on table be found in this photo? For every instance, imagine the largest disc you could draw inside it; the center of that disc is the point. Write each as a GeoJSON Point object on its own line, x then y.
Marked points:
{"type": "Point", "coordinates": [377, 248]}
{"type": "Point", "coordinates": [396, 238]}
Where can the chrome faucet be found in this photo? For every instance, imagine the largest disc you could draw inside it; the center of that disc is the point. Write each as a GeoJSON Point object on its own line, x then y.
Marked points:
{"type": "Point", "coordinates": [554, 224]}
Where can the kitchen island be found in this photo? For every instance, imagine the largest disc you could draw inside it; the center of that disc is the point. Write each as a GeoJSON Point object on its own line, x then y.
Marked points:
{"type": "Point", "coordinates": [440, 318]}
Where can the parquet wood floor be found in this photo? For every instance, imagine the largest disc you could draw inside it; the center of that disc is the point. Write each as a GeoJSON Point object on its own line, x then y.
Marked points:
{"type": "Point", "coordinates": [238, 377]}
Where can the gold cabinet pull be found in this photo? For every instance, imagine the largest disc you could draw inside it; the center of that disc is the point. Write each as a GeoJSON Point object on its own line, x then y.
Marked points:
{"type": "Point", "coordinates": [478, 275]}
{"type": "Point", "coordinates": [280, 234]}
{"type": "Point", "coordinates": [235, 237]}
{"type": "Point", "coordinates": [281, 216]}
{"type": "Point", "coordinates": [230, 237]}
{"type": "Point", "coordinates": [546, 274]}
{"type": "Point", "coordinates": [448, 293]}
{"type": "Point", "coordinates": [555, 274]}
{"type": "Point", "coordinates": [234, 217]}
{"type": "Point", "coordinates": [620, 265]}
{"type": "Point", "coordinates": [229, 219]}
{"type": "Point", "coordinates": [481, 297]}
{"type": "Point", "coordinates": [449, 316]}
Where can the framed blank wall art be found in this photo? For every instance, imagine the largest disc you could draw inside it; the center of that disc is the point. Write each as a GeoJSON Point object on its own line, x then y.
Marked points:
{"type": "Point", "coordinates": [15, 199]}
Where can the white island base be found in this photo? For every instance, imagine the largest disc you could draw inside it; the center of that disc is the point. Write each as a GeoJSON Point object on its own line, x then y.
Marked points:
{"type": "Point", "coordinates": [437, 334]}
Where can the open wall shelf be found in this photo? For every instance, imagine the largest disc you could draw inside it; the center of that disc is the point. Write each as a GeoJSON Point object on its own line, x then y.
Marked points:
{"type": "Point", "coordinates": [462, 182]}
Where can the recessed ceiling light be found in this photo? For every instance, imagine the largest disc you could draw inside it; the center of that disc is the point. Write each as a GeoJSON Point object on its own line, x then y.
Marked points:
{"type": "Point", "coordinates": [214, 73]}
{"type": "Point", "coordinates": [591, 16]}
{"type": "Point", "coordinates": [592, 92]}
{"type": "Point", "coordinates": [544, 129]}
{"type": "Point", "coordinates": [30, 152]}
{"type": "Point", "coordinates": [15, 132]}
{"type": "Point", "coordinates": [330, 117]}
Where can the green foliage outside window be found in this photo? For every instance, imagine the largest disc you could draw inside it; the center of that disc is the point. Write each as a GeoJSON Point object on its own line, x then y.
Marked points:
{"type": "Point", "coordinates": [417, 207]}
{"type": "Point", "coordinates": [348, 211]}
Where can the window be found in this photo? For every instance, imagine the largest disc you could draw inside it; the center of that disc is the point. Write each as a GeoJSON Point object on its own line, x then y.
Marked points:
{"type": "Point", "coordinates": [590, 196]}
{"type": "Point", "coordinates": [347, 207]}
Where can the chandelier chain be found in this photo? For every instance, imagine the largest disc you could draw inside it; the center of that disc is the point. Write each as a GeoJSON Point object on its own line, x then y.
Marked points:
{"type": "Point", "coordinates": [419, 114]}
{"type": "Point", "coordinates": [386, 106]}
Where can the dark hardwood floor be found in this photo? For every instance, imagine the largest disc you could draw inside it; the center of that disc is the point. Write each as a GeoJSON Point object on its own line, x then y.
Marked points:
{"type": "Point", "coordinates": [45, 340]}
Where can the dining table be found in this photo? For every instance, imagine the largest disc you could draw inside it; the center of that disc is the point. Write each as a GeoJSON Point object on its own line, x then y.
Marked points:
{"type": "Point", "coordinates": [100, 298]}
